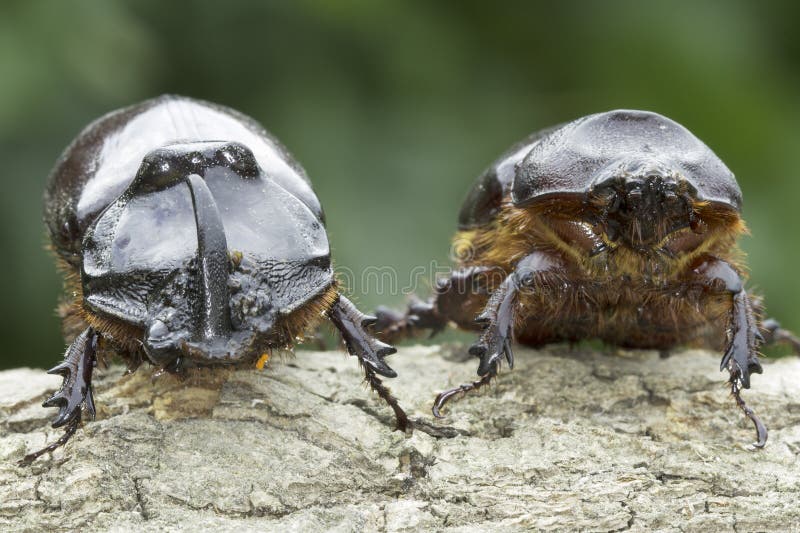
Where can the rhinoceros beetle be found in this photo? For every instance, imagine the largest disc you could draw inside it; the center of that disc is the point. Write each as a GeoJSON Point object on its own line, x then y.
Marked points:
{"type": "Point", "coordinates": [189, 236]}
{"type": "Point", "coordinates": [619, 226]}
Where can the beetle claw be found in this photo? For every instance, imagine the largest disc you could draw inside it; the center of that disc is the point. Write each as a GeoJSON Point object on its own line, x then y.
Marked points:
{"type": "Point", "coordinates": [368, 320]}
{"type": "Point", "coordinates": [62, 369]}
{"type": "Point", "coordinates": [65, 415]}
{"type": "Point", "coordinates": [386, 319]}
{"type": "Point", "coordinates": [444, 397]}
{"type": "Point", "coordinates": [370, 351]}
{"type": "Point", "coordinates": [75, 391]}
{"type": "Point", "coordinates": [424, 315]}
{"type": "Point", "coordinates": [483, 318]}
{"type": "Point", "coordinates": [761, 429]}
{"type": "Point", "coordinates": [492, 346]}
{"type": "Point", "coordinates": [380, 366]}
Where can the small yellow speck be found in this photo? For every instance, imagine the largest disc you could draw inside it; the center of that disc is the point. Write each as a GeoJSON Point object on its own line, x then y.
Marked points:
{"type": "Point", "coordinates": [262, 361]}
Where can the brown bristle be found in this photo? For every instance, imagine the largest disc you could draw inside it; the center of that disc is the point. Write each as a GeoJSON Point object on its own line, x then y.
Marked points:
{"type": "Point", "coordinates": [305, 320]}
{"type": "Point", "coordinates": [517, 231]}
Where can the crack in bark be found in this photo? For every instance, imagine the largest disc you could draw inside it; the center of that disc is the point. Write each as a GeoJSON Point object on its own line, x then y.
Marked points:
{"type": "Point", "coordinates": [137, 487]}
{"type": "Point", "coordinates": [631, 517]}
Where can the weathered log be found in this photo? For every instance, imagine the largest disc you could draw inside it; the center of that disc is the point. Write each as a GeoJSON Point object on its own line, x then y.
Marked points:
{"type": "Point", "coordinates": [571, 439]}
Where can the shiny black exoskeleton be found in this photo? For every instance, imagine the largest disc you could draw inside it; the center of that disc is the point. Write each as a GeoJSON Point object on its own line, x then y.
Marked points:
{"type": "Point", "coordinates": [619, 226]}
{"type": "Point", "coordinates": [189, 237]}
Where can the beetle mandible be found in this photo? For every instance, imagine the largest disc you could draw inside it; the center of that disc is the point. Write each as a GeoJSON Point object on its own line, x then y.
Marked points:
{"type": "Point", "coordinates": [619, 226]}
{"type": "Point", "coordinates": [189, 236]}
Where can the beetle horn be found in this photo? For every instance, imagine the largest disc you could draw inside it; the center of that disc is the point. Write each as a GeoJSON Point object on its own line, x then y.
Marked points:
{"type": "Point", "coordinates": [212, 256]}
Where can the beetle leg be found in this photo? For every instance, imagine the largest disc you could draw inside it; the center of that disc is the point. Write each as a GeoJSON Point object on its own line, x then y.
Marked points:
{"type": "Point", "coordinates": [761, 429]}
{"type": "Point", "coordinates": [498, 318]}
{"type": "Point", "coordinates": [443, 397]}
{"type": "Point", "coordinates": [773, 333]}
{"type": "Point", "coordinates": [741, 358]}
{"type": "Point", "coordinates": [351, 323]}
{"type": "Point", "coordinates": [392, 325]}
{"type": "Point", "coordinates": [498, 322]}
{"type": "Point", "coordinates": [76, 389]}
{"type": "Point", "coordinates": [370, 352]}
{"type": "Point", "coordinates": [741, 354]}
{"type": "Point", "coordinates": [499, 315]}
{"type": "Point", "coordinates": [449, 303]}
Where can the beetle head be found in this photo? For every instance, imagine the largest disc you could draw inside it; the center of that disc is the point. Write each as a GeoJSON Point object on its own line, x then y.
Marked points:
{"type": "Point", "coordinates": [190, 315]}
{"type": "Point", "coordinates": [641, 201]}
{"type": "Point", "coordinates": [160, 256]}
{"type": "Point", "coordinates": [633, 177]}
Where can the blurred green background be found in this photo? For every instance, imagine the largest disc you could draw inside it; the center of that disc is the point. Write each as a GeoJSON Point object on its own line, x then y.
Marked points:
{"type": "Point", "coordinates": [395, 107]}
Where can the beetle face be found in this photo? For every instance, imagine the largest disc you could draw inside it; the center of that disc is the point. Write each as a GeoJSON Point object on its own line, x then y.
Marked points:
{"type": "Point", "coordinates": [642, 205]}
{"type": "Point", "coordinates": [628, 183]}
{"type": "Point", "coordinates": [189, 251]}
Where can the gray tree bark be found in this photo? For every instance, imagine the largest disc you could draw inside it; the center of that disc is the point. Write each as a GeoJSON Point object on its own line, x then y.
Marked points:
{"type": "Point", "coordinates": [570, 440]}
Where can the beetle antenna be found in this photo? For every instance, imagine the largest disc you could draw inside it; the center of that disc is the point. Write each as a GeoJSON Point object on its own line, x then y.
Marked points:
{"type": "Point", "coordinates": [212, 256]}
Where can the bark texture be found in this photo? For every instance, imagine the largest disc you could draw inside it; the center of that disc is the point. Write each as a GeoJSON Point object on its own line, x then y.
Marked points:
{"type": "Point", "coordinates": [571, 439]}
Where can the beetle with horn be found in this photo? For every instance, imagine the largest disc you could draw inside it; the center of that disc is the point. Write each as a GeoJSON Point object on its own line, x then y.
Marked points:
{"type": "Point", "coordinates": [189, 236]}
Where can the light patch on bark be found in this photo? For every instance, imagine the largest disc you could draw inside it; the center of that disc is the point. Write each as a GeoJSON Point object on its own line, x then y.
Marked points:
{"type": "Point", "coordinates": [571, 439]}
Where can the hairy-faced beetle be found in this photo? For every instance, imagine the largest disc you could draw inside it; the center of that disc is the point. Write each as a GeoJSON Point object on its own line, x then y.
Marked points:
{"type": "Point", "coordinates": [618, 226]}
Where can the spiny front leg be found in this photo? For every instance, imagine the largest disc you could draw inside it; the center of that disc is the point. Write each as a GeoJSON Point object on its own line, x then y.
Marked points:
{"type": "Point", "coordinates": [495, 341]}
{"type": "Point", "coordinates": [741, 354]}
{"type": "Point", "coordinates": [370, 352]}
{"type": "Point", "coordinates": [498, 319]}
{"type": "Point", "coordinates": [741, 359]}
{"type": "Point", "coordinates": [76, 389]}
